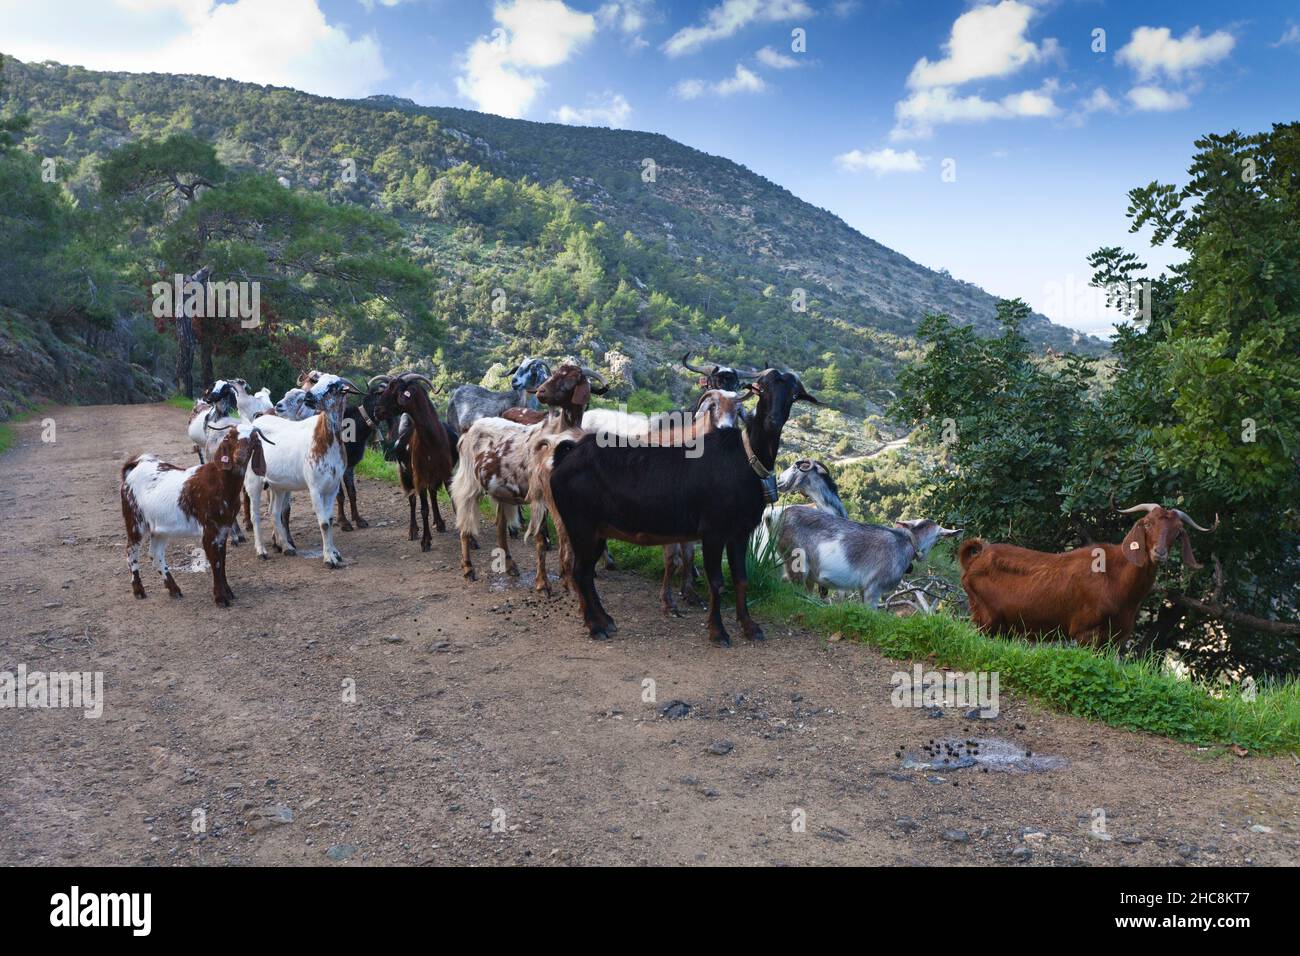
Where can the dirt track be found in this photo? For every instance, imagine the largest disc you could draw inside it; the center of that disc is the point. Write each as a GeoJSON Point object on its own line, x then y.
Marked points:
{"type": "Point", "coordinates": [483, 698]}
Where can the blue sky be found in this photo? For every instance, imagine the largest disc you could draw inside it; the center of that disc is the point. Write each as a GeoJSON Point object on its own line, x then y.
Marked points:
{"type": "Point", "coordinates": [858, 107]}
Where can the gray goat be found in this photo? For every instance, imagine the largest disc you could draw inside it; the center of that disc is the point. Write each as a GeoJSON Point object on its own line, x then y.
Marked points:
{"type": "Point", "coordinates": [469, 403]}
{"type": "Point", "coordinates": [820, 546]}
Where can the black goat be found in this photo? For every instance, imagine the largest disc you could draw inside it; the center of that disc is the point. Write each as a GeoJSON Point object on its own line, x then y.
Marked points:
{"type": "Point", "coordinates": [358, 426]}
{"type": "Point", "coordinates": [659, 495]}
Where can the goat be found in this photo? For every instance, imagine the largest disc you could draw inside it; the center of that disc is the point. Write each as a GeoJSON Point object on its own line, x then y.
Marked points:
{"type": "Point", "coordinates": [398, 450]}
{"type": "Point", "coordinates": [839, 554]}
{"type": "Point", "coordinates": [309, 455]}
{"type": "Point", "coordinates": [497, 459]}
{"type": "Point", "coordinates": [717, 408]}
{"type": "Point", "coordinates": [251, 404]}
{"type": "Point", "coordinates": [164, 502]}
{"type": "Point", "coordinates": [720, 376]}
{"type": "Point", "coordinates": [658, 495]}
{"type": "Point", "coordinates": [469, 403]}
{"type": "Point", "coordinates": [814, 481]}
{"type": "Point", "coordinates": [1089, 593]}
{"type": "Point", "coordinates": [293, 405]}
{"type": "Point", "coordinates": [218, 402]}
{"type": "Point", "coordinates": [428, 450]}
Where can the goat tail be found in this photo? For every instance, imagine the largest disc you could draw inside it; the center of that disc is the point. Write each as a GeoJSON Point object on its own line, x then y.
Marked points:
{"type": "Point", "coordinates": [969, 549]}
{"type": "Point", "coordinates": [465, 494]}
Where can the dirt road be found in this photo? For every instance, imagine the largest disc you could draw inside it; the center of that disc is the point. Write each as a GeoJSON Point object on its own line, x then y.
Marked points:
{"type": "Point", "coordinates": [487, 729]}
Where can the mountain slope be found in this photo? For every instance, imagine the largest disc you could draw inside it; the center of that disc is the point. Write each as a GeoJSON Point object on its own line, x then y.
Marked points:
{"type": "Point", "coordinates": [543, 238]}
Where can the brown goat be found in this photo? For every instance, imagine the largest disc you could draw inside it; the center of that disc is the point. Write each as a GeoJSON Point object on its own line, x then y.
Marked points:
{"type": "Point", "coordinates": [1090, 593]}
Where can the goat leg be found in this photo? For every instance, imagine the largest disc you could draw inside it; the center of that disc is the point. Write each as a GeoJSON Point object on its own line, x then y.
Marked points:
{"type": "Point", "coordinates": [504, 513]}
{"type": "Point", "coordinates": [426, 539]}
{"type": "Point", "coordinates": [466, 565]}
{"type": "Point", "coordinates": [737, 557]}
{"type": "Point", "coordinates": [344, 524]}
{"type": "Point", "coordinates": [713, 571]}
{"type": "Point", "coordinates": [350, 480]}
{"type": "Point", "coordinates": [437, 513]}
{"type": "Point", "coordinates": [671, 560]}
{"type": "Point", "coordinates": [217, 566]}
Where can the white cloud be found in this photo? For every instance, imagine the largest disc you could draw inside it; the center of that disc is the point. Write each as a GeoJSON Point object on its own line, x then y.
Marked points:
{"type": "Point", "coordinates": [1151, 51]}
{"type": "Point", "coordinates": [987, 41]}
{"type": "Point", "coordinates": [844, 8]}
{"type": "Point", "coordinates": [286, 43]}
{"type": "Point", "coordinates": [627, 16]}
{"type": "Point", "coordinates": [499, 74]}
{"type": "Point", "coordinates": [880, 162]}
{"type": "Point", "coordinates": [776, 59]}
{"type": "Point", "coordinates": [610, 110]}
{"type": "Point", "coordinates": [729, 18]}
{"type": "Point", "coordinates": [743, 80]}
{"type": "Point", "coordinates": [917, 115]}
{"type": "Point", "coordinates": [1155, 99]}
{"type": "Point", "coordinates": [1099, 101]}
{"type": "Point", "coordinates": [1290, 36]}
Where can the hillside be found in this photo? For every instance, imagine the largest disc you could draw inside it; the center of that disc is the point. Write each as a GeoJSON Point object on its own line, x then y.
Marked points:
{"type": "Point", "coordinates": [540, 237]}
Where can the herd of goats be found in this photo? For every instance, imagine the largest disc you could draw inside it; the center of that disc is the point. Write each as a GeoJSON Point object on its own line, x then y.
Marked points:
{"type": "Point", "coordinates": [706, 474]}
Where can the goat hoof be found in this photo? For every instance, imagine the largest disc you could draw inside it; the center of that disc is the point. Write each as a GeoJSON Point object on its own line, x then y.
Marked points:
{"type": "Point", "coordinates": [426, 545]}
{"type": "Point", "coordinates": [470, 575]}
{"type": "Point", "coordinates": [755, 633]}
{"type": "Point", "coordinates": [440, 528]}
{"type": "Point", "coordinates": [345, 526]}
{"type": "Point", "coordinates": [291, 552]}
{"type": "Point", "coordinates": [361, 523]}
{"type": "Point", "coordinates": [263, 555]}
{"type": "Point", "coordinates": [720, 639]}
{"type": "Point", "coordinates": [598, 635]}
{"type": "Point", "coordinates": [140, 595]}
{"type": "Point", "coordinates": [177, 594]}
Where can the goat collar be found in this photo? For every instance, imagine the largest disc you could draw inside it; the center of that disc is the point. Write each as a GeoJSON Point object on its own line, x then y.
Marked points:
{"type": "Point", "coordinates": [365, 416]}
{"type": "Point", "coordinates": [759, 468]}
{"type": "Point", "coordinates": [765, 476]}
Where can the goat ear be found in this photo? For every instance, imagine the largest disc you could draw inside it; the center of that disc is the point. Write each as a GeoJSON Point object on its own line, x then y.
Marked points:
{"type": "Point", "coordinates": [1135, 545]}
{"type": "Point", "coordinates": [259, 459]}
{"type": "Point", "coordinates": [803, 396]}
{"type": "Point", "coordinates": [1189, 559]}
{"type": "Point", "coordinates": [581, 392]}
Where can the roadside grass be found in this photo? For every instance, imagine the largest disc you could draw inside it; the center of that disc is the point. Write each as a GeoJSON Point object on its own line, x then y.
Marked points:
{"type": "Point", "coordinates": [180, 401]}
{"type": "Point", "coordinates": [8, 436]}
{"type": "Point", "coordinates": [1135, 694]}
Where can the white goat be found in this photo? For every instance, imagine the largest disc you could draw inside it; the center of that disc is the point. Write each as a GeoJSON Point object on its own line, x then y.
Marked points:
{"type": "Point", "coordinates": [308, 455]}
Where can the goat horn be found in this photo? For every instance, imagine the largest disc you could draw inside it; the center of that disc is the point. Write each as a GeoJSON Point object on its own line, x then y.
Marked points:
{"type": "Point", "coordinates": [350, 386]}
{"type": "Point", "coordinates": [208, 425]}
{"type": "Point", "coordinates": [262, 435]}
{"type": "Point", "coordinates": [385, 379]}
{"type": "Point", "coordinates": [1147, 506]}
{"type": "Point", "coordinates": [416, 376]}
{"type": "Point", "coordinates": [1187, 519]}
{"type": "Point", "coordinates": [698, 371]}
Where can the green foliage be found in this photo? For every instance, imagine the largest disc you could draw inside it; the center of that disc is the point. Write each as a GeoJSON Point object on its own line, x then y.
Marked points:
{"type": "Point", "coordinates": [1201, 412]}
{"type": "Point", "coordinates": [1006, 424]}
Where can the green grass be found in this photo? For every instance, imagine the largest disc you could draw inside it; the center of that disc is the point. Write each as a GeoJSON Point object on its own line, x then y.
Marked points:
{"type": "Point", "coordinates": [1094, 684]}
{"type": "Point", "coordinates": [180, 401]}
{"type": "Point", "coordinates": [8, 436]}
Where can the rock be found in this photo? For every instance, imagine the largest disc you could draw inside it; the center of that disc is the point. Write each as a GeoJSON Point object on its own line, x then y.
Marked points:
{"type": "Point", "coordinates": [675, 709]}
{"type": "Point", "coordinates": [956, 836]}
{"type": "Point", "coordinates": [1022, 854]}
{"type": "Point", "coordinates": [1187, 851]}
{"type": "Point", "coordinates": [720, 748]}
{"type": "Point", "coordinates": [275, 816]}
{"type": "Point", "coordinates": [1034, 837]}
{"type": "Point", "coordinates": [1099, 835]}
{"type": "Point", "coordinates": [1260, 828]}
{"type": "Point", "coordinates": [340, 851]}
{"type": "Point", "coordinates": [907, 824]}
{"type": "Point", "coordinates": [1130, 840]}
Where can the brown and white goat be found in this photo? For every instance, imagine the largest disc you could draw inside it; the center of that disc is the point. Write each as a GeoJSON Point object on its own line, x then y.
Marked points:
{"type": "Point", "coordinates": [163, 502]}
{"type": "Point", "coordinates": [1090, 593]}
{"type": "Point", "coordinates": [498, 458]}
